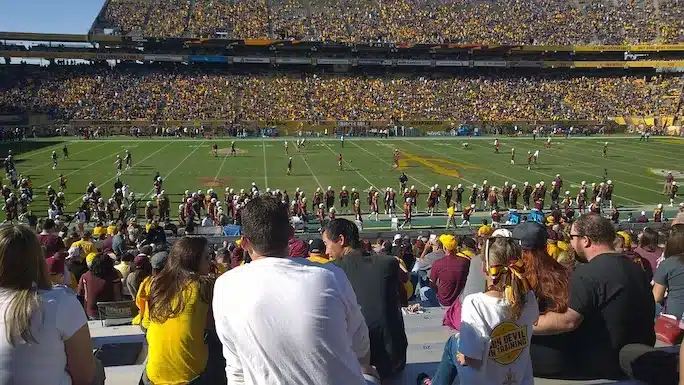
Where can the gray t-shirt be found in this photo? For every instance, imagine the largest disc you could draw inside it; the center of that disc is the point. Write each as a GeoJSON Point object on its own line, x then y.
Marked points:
{"type": "Point", "coordinates": [425, 264]}
{"type": "Point", "coordinates": [475, 283]}
{"type": "Point", "coordinates": [670, 274]}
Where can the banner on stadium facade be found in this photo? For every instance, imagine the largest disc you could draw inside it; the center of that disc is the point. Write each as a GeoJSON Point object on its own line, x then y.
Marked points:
{"type": "Point", "coordinates": [489, 63]}
{"type": "Point", "coordinates": [657, 47]}
{"type": "Point", "coordinates": [118, 56]}
{"type": "Point", "coordinates": [452, 63]}
{"type": "Point", "coordinates": [251, 60]}
{"type": "Point", "coordinates": [48, 55]}
{"type": "Point", "coordinates": [377, 62]}
{"type": "Point", "coordinates": [656, 64]}
{"type": "Point", "coordinates": [56, 37]}
{"type": "Point", "coordinates": [208, 59]}
{"type": "Point", "coordinates": [407, 62]}
{"type": "Point", "coordinates": [353, 123]}
{"type": "Point", "coordinates": [600, 48]}
{"type": "Point", "coordinates": [526, 64]}
{"type": "Point", "coordinates": [334, 61]}
{"type": "Point", "coordinates": [293, 60]}
{"type": "Point", "coordinates": [166, 58]}
{"type": "Point", "coordinates": [599, 64]}
{"type": "Point", "coordinates": [423, 123]}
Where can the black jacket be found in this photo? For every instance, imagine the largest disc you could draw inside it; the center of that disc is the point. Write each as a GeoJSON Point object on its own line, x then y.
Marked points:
{"type": "Point", "coordinates": [375, 279]}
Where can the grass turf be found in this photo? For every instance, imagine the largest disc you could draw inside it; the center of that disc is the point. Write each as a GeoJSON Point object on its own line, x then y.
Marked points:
{"type": "Point", "coordinates": [187, 164]}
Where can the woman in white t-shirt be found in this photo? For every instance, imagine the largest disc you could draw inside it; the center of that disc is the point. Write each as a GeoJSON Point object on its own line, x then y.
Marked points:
{"type": "Point", "coordinates": [44, 336]}
{"type": "Point", "coordinates": [496, 326]}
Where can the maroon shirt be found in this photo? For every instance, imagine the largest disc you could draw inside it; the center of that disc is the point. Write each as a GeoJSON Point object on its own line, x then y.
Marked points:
{"type": "Point", "coordinates": [52, 243]}
{"type": "Point", "coordinates": [650, 255]}
{"type": "Point", "coordinates": [449, 275]}
{"type": "Point", "coordinates": [95, 289]}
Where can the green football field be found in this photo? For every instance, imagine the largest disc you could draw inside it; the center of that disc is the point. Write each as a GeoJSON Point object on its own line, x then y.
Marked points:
{"type": "Point", "coordinates": [636, 168]}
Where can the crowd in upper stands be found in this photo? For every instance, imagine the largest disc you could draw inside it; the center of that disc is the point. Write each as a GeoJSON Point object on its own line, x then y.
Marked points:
{"type": "Point", "coordinates": [549, 22]}
{"type": "Point", "coordinates": [85, 92]}
{"type": "Point", "coordinates": [337, 300]}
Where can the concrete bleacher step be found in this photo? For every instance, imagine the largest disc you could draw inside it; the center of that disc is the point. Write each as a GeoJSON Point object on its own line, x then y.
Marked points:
{"type": "Point", "coordinates": [425, 333]}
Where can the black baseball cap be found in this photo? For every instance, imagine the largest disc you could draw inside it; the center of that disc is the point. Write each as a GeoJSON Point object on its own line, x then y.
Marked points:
{"type": "Point", "coordinates": [532, 235]}
{"type": "Point", "coordinates": [316, 246]}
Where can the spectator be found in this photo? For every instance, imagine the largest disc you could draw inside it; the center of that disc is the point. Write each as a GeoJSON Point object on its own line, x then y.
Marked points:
{"type": "Point", "coordinates": [669, 277]}
{"type": "Point", "coordinates": [297, 248]}
{"type": "Point", "coordinates": [102, 283]}
{"type": "Point", "coordinates": [75, 263]}
{"type": "Point", "coordinates": [642, 218]}
{"type": "Point", "coordinates": [474, 283]}
{"type": "Point", "coordinates": [125, 265]}
{"type": "Point", "coordinates": [99, 231]}
{"type": "Point", "coordinates": [317, 251]}
{"type": "Point", "coordinates": [375, 281]}
{"type": "Point", "coordinates": [157, 263]}
{"type": "Point", "coordinates": [49, 239]}
{"type": "Point", "coordinates": [85, 244]}
{"type": "Point", "coordinates": [45, 328]}
{"type": "Point", "coordinates": [597, 318]}
{"type": "Point", "coordinates": [133, 231]}
{"type": "Point", "coordinates": [421, 270]}
{"type": "Point", "coordinates": [119, 242]}
{"type": "Point", "coordinates": [448, 275]}
{"type": "Point", "coordinates": [302, 322]}
{"type": "Point", "coordinates": [156, 234]}
{"type": "Point", "coordinates": [179, 307]}
{"type": "Point", "coordinates": [112, 229]}
{"type": "Point", "coordinates": [648, 246]}
{"type": "Point", "coordinates": [141, 269]}
{"type": "Point", "coordinates": [477, 355]}
{"type": "Point", "coordinates": [549, 280]}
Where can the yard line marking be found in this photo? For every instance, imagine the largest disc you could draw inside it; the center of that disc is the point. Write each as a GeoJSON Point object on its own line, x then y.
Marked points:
{"type": "Point", "coordinates": [347, 163]}
{"type": "Point", "coordinates": [53, 148]}
{"type": "Point", "coordinates": [178, 165]}
{"type": "Point", "coordinates": [220, 168]}
{"type": "Point", "coordinates": [311, 171]}
{"type": "Point", "coordinates": [82, 168]}
{"type": "Point", "coordinates": [462, 161]}
{"type": "Point", "coordinates": [50, 162]}
{"type": "Point", "coordinates": [619, 161]}
{"type": "Point", "coordinates": [386, 162]}
{"type": "Point", "coordinates": [571, 182]}
{"type": "Point", "coordinates": [550, 154]}
{"type": "Point", "coordinates": [123, 172]}
{"type": "Point", "coordinates": [263, 145]}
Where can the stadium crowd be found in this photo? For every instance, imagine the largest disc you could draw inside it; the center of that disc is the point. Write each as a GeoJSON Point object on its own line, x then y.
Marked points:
{"type": "Point", "coordinates": [550, 22]}
{"type": "Point", "coordinates": [139, 92]}
{"type": "Point", "coordinates": [329, 310]}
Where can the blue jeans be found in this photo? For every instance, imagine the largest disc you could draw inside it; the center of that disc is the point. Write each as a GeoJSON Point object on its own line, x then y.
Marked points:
{"type": "Point", "coordinates": [448, 366]}
{"type": "Point", "coordinates": [428, 297]}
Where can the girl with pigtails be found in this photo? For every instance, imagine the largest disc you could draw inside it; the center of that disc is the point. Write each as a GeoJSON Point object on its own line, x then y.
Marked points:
{"type": "Point", "coordinates": [493, 345]}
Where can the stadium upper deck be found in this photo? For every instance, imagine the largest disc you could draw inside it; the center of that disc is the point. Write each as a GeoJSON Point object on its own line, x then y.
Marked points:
{"type": "Point", "coordinates": [542, 22]}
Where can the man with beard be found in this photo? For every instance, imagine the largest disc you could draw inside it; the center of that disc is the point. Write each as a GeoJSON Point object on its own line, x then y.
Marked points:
{"type": "Point", "coordinates": [607, 289]}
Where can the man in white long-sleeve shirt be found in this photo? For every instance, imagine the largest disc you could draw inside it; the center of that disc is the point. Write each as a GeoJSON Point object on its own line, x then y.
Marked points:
{"type": "Point", "coordinates": [287, 320]}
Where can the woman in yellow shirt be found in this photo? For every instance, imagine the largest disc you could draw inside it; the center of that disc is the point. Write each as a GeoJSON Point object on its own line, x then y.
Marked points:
{"type": "Point", "coordinates": [179, 312]}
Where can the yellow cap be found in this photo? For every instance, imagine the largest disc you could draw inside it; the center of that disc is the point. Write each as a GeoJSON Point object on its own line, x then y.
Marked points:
{"type": "Point", "coordinates": [448, 242]}
{"type": "Point", "coordinates": [627, 238]}
{"type": "Point", "coordinates": [89, 258]}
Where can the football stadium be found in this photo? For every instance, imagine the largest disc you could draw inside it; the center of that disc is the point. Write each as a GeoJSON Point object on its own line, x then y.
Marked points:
{"type": "Point", "coordinates": [334, 192]}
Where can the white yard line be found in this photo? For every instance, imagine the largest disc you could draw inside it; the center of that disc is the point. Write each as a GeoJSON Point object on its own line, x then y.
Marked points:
{"type": "Point", "coordinates": [385, 162]}
{"type": "Point", "coordinates": [263, 145]}
{"type": "Point", "coordinates": [350, 166]}
{"type": "Point", "coordinates": [549, 176]}
{"type": "Point", "coordinates": [50, 162]}
{"type": "Point", "coordinates": [124, 171]}
{"type": "Point", "coordinates": [551, 154]}
{"type": "Point", "coordinates": [165, 177]}
{"type": "Point", "coordinates": [220, 168]}
{"type": "Point", "coordinates": [82, 168]}
{"type": "Point", "coordinates": [311, 171]}
{"type": "Point", "coordinates": [462, 161]}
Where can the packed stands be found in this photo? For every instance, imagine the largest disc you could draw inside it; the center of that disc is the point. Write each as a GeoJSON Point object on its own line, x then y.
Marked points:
{"type": "Point", "coordinates": [546, 22]}
{"type": "Point", "coordinates": [141, 92]}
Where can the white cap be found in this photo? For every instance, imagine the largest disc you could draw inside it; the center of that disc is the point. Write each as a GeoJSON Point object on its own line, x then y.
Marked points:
{"type": "Point", "coordinates": [557, 175]}
{"type": "Point", "coordinates": [567, 193]}
{"type": "Point", "coordinates": [493, 211]}
{"type": "Point", "coordinates": [526, 183]}
{"type": "Point", "coordinates": [506, 183]}
{"type": "Point", "coordinates": [610, 182]}
{"type": "Point", "coordinates": [485, 181]}
{"type": "Point", "coordinates": [344, 187]}
{"type": "Point", "coordinates": [515, 186]}
{"type": "Point", "coordinates": [413, 187]}
{"type": "Point", "coordinates": [432, 189]}
{"type": "Point", "coordinates": [318, 189]}
{"type": "Point", "coordinates": [460, 185]}
{"type": "Point", "coordinates": [643, 213]}
{"type": "Point", "coordinates": [660, 205]}
{"type": "Point", "coordinates": [505, 233]}
{"type": "Point", "coordinates": [321, 205]}
{"type": "Point", "coordinates": [353, 189]}
{"type": "Point", "coordinates": [397, 237]}
{"type": "Point", "coordinates": [474, 186]}
{"type": "Point", "coordinates": [536, 185]}
{"type": "Point", "coordinates": [329, 188]}
{"type": "Point", "coordinates": [448, 187]}
{"type": "Point", "coordinates": [541, 183]}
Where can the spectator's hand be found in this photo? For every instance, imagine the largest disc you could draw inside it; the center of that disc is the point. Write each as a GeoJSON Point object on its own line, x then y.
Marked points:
{"type": "Point", "coordinates": [370, 370]}
{"type": "Point", "coordinates": [461, 359]}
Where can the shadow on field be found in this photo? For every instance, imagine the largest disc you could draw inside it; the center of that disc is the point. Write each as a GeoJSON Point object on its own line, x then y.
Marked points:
{"type": "Point", "coordinates": [22, 147]}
